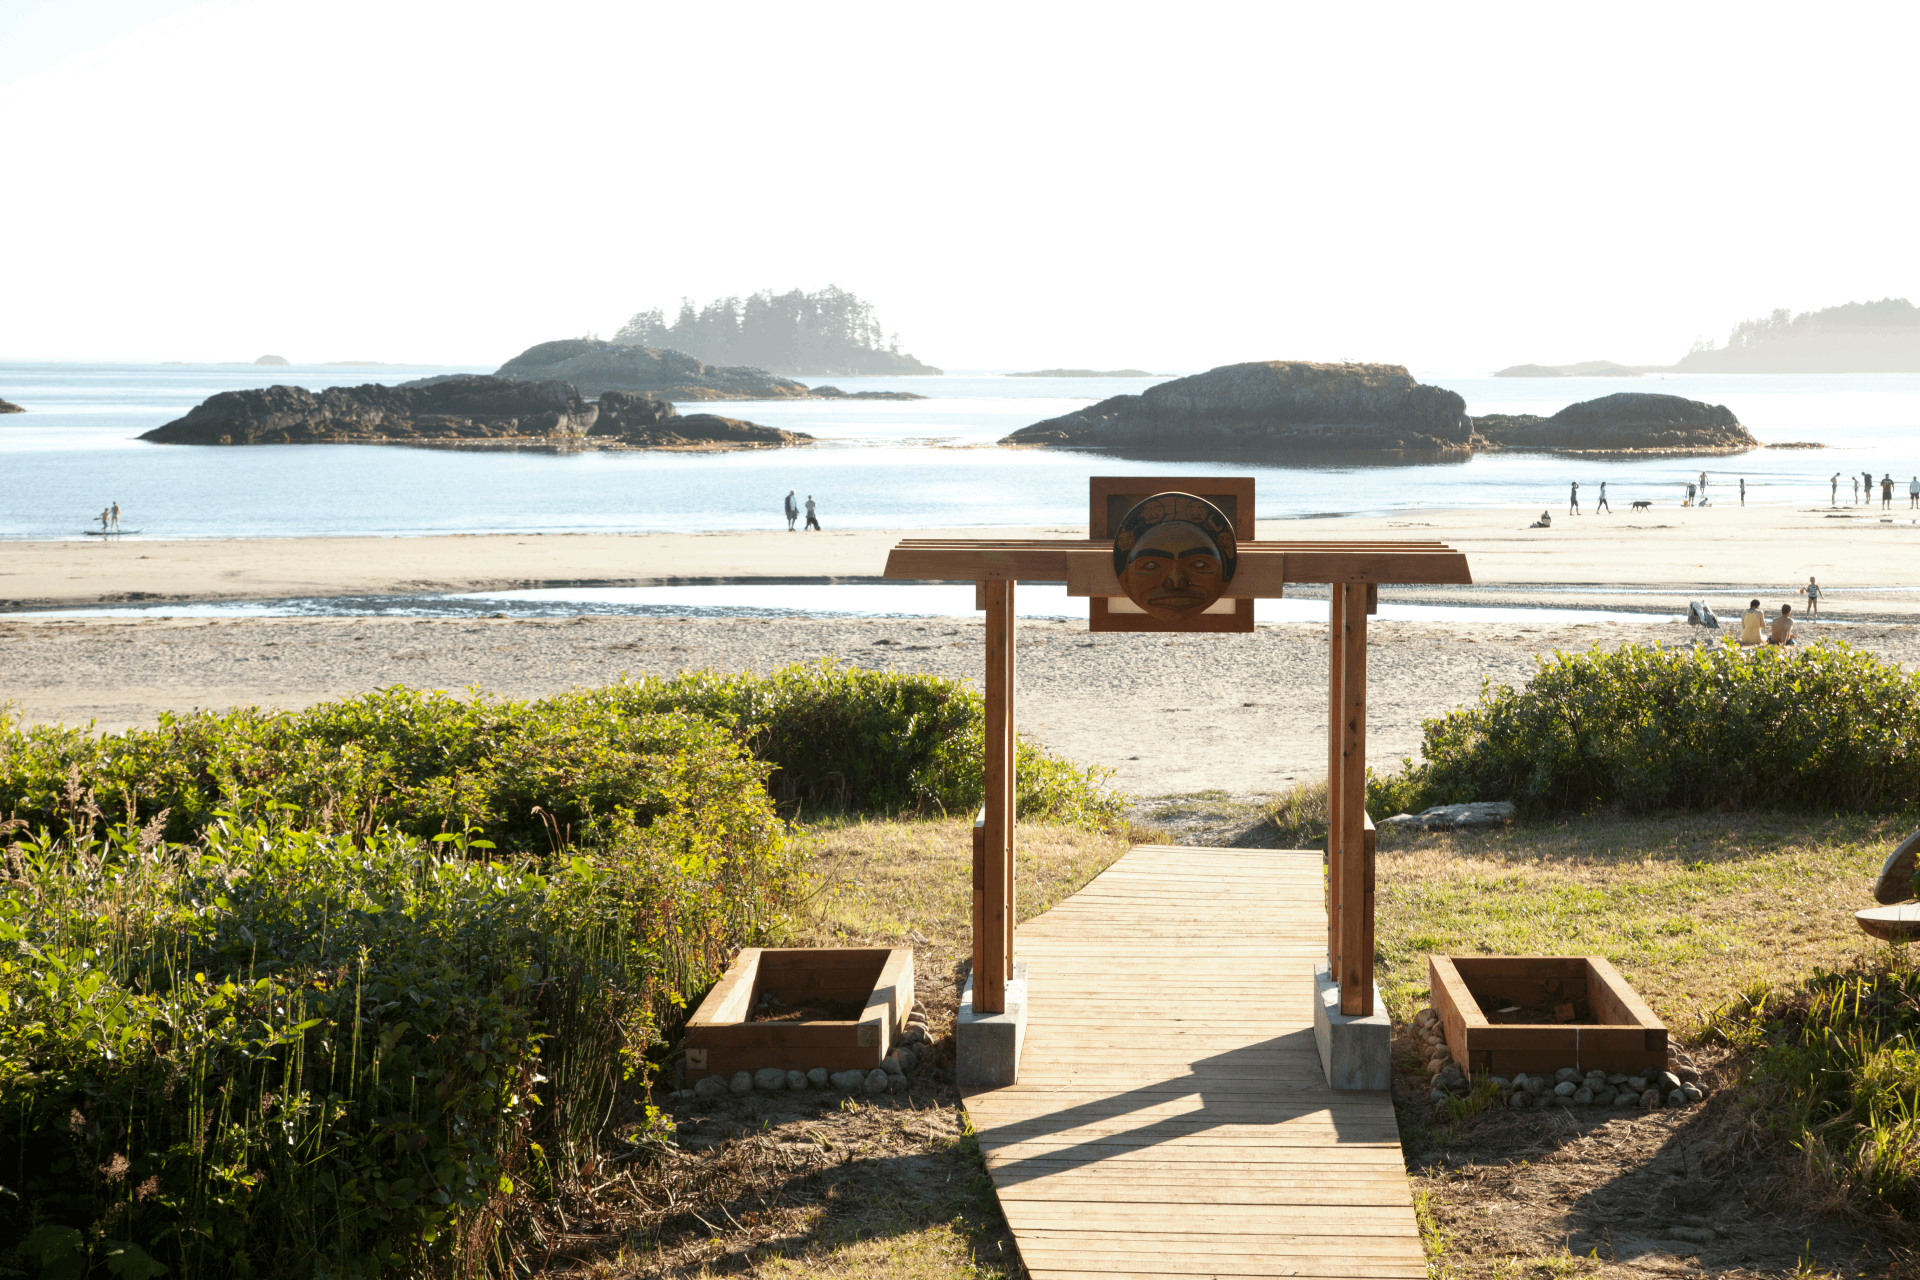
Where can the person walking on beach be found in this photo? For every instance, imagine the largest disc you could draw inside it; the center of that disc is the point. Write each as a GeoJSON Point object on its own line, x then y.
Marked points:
{"type": "Point", "coordinates": [1913, 492]}
{"type": "Point", "coordinates": [1832, 501]}
{"type": "Point", "coordinates": [1573, 500]}
{"type": "Point", "coordinates": [1601, 505]}
{"type": "Point", "coordinates": [1886, 492]}
{"type": "Point", "coordinates": [793, 510]}
{"type": "Point", "coordinates": [1812, 592]}
{"type": "Point", "coordinates": [813, 520]}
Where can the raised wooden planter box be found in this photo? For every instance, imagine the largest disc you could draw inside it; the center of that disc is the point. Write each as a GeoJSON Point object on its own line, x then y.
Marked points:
{"type": "Point", "coordinates": [1614, 1032]}
{"type": "Point", "coordinates": [721, 1039]}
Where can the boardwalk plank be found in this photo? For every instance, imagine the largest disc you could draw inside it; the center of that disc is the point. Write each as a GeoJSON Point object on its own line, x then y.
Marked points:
{"type": "Point", "coordinates": [1171, 1119]}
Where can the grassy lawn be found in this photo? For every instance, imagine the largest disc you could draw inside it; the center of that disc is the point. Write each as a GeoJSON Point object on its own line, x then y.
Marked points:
{"type": "Point", "coordinates": [1692, 908]}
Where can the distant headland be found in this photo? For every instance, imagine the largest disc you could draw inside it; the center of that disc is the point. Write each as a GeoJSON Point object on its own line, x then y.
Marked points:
{"type": "Point", "coordinates": [829, 332]}
{"type": "Point", "coordinates": [1857, 337]}
{"type": "Point", "coordinates": [1085, 373]}
{"type": "Point", "coordinates": [9, 407]}
{"type": "Point", "coordinates": [464, 410]}
{"type": "Point", "coordinates": [1584, 369]}
{"type": "Point", "coordinates": [1289, 407]}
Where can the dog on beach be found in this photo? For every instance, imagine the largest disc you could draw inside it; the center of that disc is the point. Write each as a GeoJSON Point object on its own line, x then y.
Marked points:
{"type": "Point", "coordinates": [1640, 506]}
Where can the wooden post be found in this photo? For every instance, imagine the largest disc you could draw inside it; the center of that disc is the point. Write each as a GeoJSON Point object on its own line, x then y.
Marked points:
{"type": "Point", "coordinates": [1336, 621]}
{"type": "Point", "coordinates": [993, 869]}
{"type": "Point", "coordinates": [1356, 957]}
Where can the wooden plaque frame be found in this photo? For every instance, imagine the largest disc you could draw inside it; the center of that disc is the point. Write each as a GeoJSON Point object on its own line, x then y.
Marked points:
{"type": "Point", "coordinates": [1111, 497]}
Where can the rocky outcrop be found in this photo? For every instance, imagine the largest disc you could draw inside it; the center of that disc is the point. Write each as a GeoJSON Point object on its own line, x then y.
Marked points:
{"type": "Point", "coordinates": [595, 366]}
{"type": "Point", "coordinates": [7, 407]}
{"type": "Point", "coordinates": [1636, 421]}
{"type": "Point", "coordinates": [466, 409]}
{"type": "Point", "coordinates": [835, 393]}
{"type": "Point", "coordinates": [272, 360]}
{"type": "Point", "coordinates": [1268, 407]}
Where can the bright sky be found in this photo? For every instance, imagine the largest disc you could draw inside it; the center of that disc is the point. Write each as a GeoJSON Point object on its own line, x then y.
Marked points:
{"type": "Point", "coordinates": [1451, 187]}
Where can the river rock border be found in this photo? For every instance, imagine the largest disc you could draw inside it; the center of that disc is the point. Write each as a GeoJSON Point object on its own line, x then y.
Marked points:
{"type": "Point", "coordinates": [1677, 1086]}
{"type": "Point", "coordinates": [914, 1046]}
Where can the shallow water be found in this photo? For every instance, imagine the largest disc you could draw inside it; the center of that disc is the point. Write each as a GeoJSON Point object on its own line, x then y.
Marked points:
{"type": "Point", "coordinates": [840, 600]}
{"type": "Point", "coordinates": [879, 464]}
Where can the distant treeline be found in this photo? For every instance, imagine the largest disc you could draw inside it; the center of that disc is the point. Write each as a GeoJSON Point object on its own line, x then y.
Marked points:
{"type": "Point", "coordinates": [829, 331]}
{"type": "Point", "coordinates": [1859, 337]}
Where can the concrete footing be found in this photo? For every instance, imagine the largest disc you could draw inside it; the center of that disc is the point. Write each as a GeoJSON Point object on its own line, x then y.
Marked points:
{"type": "Point", "coordinates": [987, 1045]}
{"type": "Point", "coordinates": [1355, 1052]}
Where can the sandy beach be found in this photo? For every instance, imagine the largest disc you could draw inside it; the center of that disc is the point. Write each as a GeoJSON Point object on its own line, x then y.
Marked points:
{"type": "Point", "coordinates": [1239, 713]}
{"type": "Point", "coordinates": [1868, 560]}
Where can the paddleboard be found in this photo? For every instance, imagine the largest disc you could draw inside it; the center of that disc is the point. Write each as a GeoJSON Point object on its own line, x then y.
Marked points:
{"type": "Point", "coordinates": [107, 533]}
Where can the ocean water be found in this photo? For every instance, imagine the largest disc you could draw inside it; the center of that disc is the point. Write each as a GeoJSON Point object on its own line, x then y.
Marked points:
{"type": "Point", "coordinates": [878, 464]}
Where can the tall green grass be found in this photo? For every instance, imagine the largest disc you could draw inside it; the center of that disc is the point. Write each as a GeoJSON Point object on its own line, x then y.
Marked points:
{"type": "Point", "coordinates": [1834, 1066]}
{"type": "Point", "coordinates": [1825, 727]}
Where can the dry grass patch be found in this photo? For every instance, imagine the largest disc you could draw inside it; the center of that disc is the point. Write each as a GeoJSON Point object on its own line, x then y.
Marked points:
{"type": "Point", "coordinates": [1692, 907]}
{"type": "Point", "coordinates": [789, 1184]}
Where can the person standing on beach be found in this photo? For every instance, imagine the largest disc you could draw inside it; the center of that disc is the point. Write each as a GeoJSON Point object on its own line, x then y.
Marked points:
{"type": "Point", "coordinates": [1743, 491]}
{"type": "Point", "coordinates": [1689, 501]}
{"type": "Point", "coordinates": [115, 509]}
{"type": "Point", "coordinates": [106, 517]}
{"type": "Point", "coordinates": [813, 520]}
{"type": "Point", "coordinates": [793, 510]}
{"type": "Point", "coordinates": [1866, 484]}
{"type": "Point", "coordinates": [1601, 505]}
{"type": "Point", "coordinates": [1834, 500]}
{"type": "Point", "coordinates": [1886, 492]}
{"type": "Point", "coordinates": [1856, 490]}
{"type": "Point", "coordinates": [1573, 500]}
{"type": "Point", "coordinates": [1913, 492]}
{"type": "Point", "coordinates": [1812, 592]}
{"type": "Point", "coordinates": [1703, 484]}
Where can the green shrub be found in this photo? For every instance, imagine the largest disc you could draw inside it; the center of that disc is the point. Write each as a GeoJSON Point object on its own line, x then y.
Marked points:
{"type": "Point", "coordinates": [533, 775]}
{"type": "Point", "coordinates": [1826, 726]}
{"type": "Point", "coordinates": [281, 1052]}
{"type": "Point", "coordinates": [1833, 1069]}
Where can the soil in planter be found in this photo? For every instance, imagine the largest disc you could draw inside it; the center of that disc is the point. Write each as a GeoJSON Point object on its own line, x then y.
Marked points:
{"type": "Point", "coordinates": [772, 1009]}
{"type": "Point", "coordinates": [1551, 1010]}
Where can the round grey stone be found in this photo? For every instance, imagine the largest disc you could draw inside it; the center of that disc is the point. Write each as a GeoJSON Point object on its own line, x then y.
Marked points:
{"type": "Point", "coordinates": [1604, 1095]}
{"type": "Point", "coordinates": [1687, 1075]}
{"type": "Point", "coordinates": [1502, 1083]}
{"type": "Point", "coordinates": [1582, 1096]}
{"type": "Point", "coordinates": [742, 1082]}
{"type": "Point", "coordinates": [770, 1078]}
{"type": "Point", "coordinates": [1565, 1074]}
{"type": "Point", "coordinates": [1439, 1095]}
{"type": "Point", "coordinates": [1693, 1092]}
{"type": "Point", "coordinates": [1520, 1100]}
{"type": "Point", "coordinates": [817, 1077]}
{"type": "Point", "coordinates": [908, 1058]}
{"type": "Point", "coordinates": [1617, 1079]}
{"type": "Point", "coordinates": [876, 1081]}
{"type": "Point", "coordinates": [891, 1065]}
{"type": "Point", "coordinates": [1637, 1083]}
{"type": "Point", "coordinates": [796, 1079]}
{"type": "Point", "coordinates": [1677, 1098]}
{"type": "Point", "coordinates": [1668, 1082]}
{"type": "Point", "coordinates": [1565, 1089]}
{"type": "Point", "coordinates": [849, 1080]}
{"type": "Point", "coordinates": [1650, 1099]}
{"type": "Point", "coordinates": [710, 1087]}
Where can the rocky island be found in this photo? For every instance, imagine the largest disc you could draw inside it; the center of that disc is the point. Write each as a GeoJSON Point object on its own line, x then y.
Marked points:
{"type": "Point", "coordinates": [1629, 421]}
{"type": "Point", "coordinates": [595, 366]}
{"type": "Point", "coordinates": [9, 407]}
{"type": "Point", "coordinates": [1268, 407]}
{"type": "Point", "coordinates": [470, 410]}
{"type": "Point", "coordinates": [1584, 369]}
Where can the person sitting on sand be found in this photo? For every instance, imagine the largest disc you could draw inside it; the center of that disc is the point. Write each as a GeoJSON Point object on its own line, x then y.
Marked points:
{"type": "Point", "coordinates": [1544, 522]}
{"type": "Point", "coordinates": [1750, 623]}
{"type": "Point", "coordinates": [1782, 632]}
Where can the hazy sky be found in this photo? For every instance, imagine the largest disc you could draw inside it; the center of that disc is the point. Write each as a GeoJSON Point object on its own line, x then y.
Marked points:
{"type": "Point", "coordinates": [1452, 187]}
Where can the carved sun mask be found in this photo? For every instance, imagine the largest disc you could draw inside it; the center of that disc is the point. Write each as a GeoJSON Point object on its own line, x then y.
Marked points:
{"type": "Point", "coordinates": [1174, 554]}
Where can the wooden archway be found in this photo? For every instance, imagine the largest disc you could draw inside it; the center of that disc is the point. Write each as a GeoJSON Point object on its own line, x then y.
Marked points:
{"type": "Point", "coordinates": [1353, 572]}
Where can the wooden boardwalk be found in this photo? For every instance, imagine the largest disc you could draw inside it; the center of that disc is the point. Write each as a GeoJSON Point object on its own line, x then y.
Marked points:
{"type": "Point", "coordinates": [1171, 1117]}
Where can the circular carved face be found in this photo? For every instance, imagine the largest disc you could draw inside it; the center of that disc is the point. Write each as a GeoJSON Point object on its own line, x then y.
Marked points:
{"type": "Point", "coordinates": [1174, 555]}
